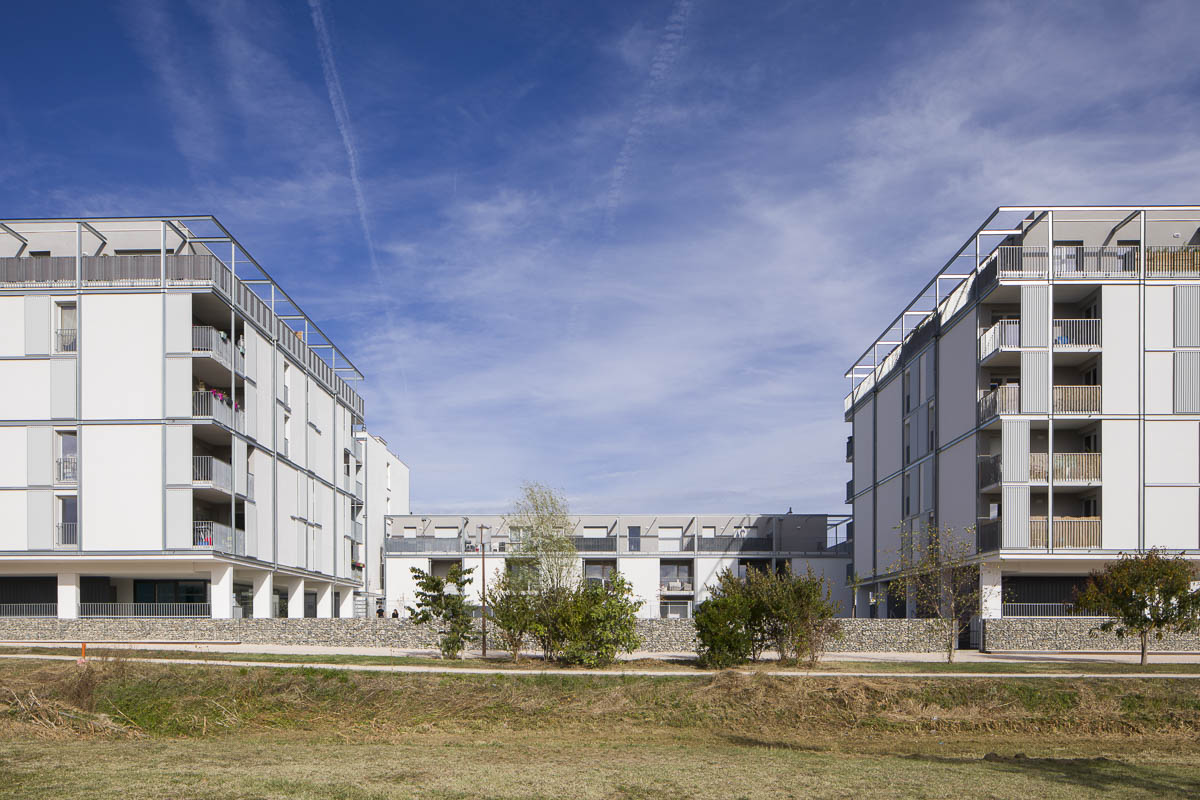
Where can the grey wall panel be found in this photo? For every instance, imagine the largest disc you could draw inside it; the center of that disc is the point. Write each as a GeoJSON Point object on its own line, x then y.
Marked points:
{"type": "Point", "coordinates": [1014, 512]}
{"type": "Point", "coordinates": [1187, 316]}
{"type": "Point", "coordinates": [1187, 382]}
{"type": "Point", "coordinates": [179, 454]}
{"type": "Point", "coordinates": [1035, 309]}
{"type": "Point", "coordinates": [40, 519]}
{"type": "Point", "coordinates": [178, 378]}
{"type": "Point", "coordinates": [62, 389]}
{"type": "Point", "coordinates": [40, 455]}
{"type": "Point", "coordinates": [37, 325]}
{"type": "Point", "coordinates": [178, 333]}
{"type": "Point", "coordinates": [1014, 461]}
{"type": "Point", "coordinates": [1035, 381]}
{"type": "Point", "coordinates": [179, 518]}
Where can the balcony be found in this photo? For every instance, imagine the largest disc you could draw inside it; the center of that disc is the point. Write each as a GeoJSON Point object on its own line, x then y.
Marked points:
{"type": "Point", "coordinates": [356, 531]}
{"type": "Point", "coordinates": [675, 587]}
{"type": "Point", "coordinates": [990, 472]}
{"type": "Point", "coordinates": [1022, 262]}
{"type": "Point", "coordinates": [66, 535]}
{"type": "Point", "coordinates": [209, 341]}
{"type": "Point", "coordinates": [1001, 400]}
{"type": "Point", "coordinates": [66, 340]}
{"type": "Point", "coordinates": [1069, 532]}
{"type": "Point", "coordinates": [66, 469]}
{"type": "Point", "coordinates": [1095, 262]}
{"type": "Point", "coordinates": [595, 544]}
{"type": "Point", "coordinates": [735, 544]}
{"type": "Point", "coordinates": [217, 406]}
{"type": "Point", "coordinates": [1173, 262]}
{"type": "Point", "coordinates": [43, 272]}
{"type": "Point", "coordinates": [1004, 335]}
{"type": "Point", "coordinates": [219, 536]}
{"type": "Point", "coordinates": [1076, 334]}
{"type": "Point", "coordinates": [849, 490]}
{"type": "Point", "coordinates": [849, 449]}
{"type": "Point", "coordinates": [1069, 468]}
{"type": "Point", "coordinates": [1076, 399]}
{"type": "Point", "coordinates": [424, 544]}
{"type": "Point", "coordinates": [144, 610]}
{"type": "Point", "coordinates": [213, 472]}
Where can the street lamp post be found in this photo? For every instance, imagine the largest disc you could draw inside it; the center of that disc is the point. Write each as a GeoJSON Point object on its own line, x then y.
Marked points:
{"type": "Point", "coordinates": [483, 589]}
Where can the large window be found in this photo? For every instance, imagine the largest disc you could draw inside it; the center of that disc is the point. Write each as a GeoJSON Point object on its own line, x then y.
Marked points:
{"type": "Point", "coordinates": [598, 571]}
{"type": "Point", "coordinates": [675, 576]}
{"type": "Point", "coordinates": [170, 591]}
{"type": "Point", "coordinates": [675, 609]}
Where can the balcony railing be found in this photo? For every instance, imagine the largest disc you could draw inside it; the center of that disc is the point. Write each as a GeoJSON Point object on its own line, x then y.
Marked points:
{"type": "Point", "coordinates": [1022, 262]}
{"type": "Point", "coordinates": [219, 536]}
{"type": "Point", "coordinates": [1069, 532]}
{"type": "Point", "coordinates": [218, 407]}
{"type": "Point", "coordinates": [144, 610]}
{"type": "Point", "coordinates": [1001, 400]}
{"type": "Point", "coordinates": [1173, 262]}
{"type": "Point", "coordinates": [1076, 334]}
{"type": "Point", "coordinates": [849, 490]}
{"type": "Point", "coordinates": [1037, 610]}
{"type": "Point", "coordinates": [667, 587]}
{"type": "Point", "coordinates": [424, 544]}
{"type": "Point", "coordinates": [207, 340]}
{"type": "Point", "coordinates": [46, 272]}
{"type": "Point", "coordinates": [357, 449]}
{"type": "Point", "coordinates": [66, 469]}
{"type": "Point", "coordinates": [1076, 399]}
{"type": "Point", "coordinates": [356, 529]}
{"type": "Point", "coordinates": [66, 534]}
{"type": "Point", "coordinates": [735, 544]}
{"type": "Point", "coordinates": [206, 469]}
{"type": "Point", "coordinates": [595, 544]}
{"type": "Point", "coordinates": [66, 340]}
{"type": "Point", "coordinates": [28, 609]}
{"type": "Point", "coordinates": [1068, 467]}
{"type": "Point", "coordinates": [1004, 334]}
{"type": "Point", "coordinates": [989, 471]}
{"type": "Point", "coordinates": [849, 449]}
{"type": "Point", "coordinates": [988, 535]}
{"type": "Point", "coordinates": [1096, 262]}
{"type": "Point", "coordinates": [249, 485]}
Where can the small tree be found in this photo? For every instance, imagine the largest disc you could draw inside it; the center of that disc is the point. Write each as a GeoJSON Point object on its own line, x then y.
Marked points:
{"type": "Point", "coordinates": [600, 621]}
{"type": "Point", "coordinates": [442, 604]}
{"type": "Point", "coordinates": [1147, 594]}
{"type": "Point", "coordinates": [935, 570]}
{"type": "Point", "coordinates": [797, 614]}
{"type": "Point", "coordinates": [540, 520]}
{"type": "Point", "coordinates": [511, 607]}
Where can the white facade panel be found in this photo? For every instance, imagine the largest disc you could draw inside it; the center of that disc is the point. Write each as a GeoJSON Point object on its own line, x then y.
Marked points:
{"type": "Point", "coordinates": [39, 464]}
{"type": "Point", "coordinates": [37, 325]}
{"type": "Point", "coordinates": [12, 326]}
{"type": "Point", "coordinates": [888, 427]}
{"type": "Point", "coordinates": [707, 570]}
{"type": "Point", "coordinates": [642, 574]}
{"type": "Point", "coordinates": [833, 570]}
{"type": "Point", "coordinates": [62, 389]}
{"type": "Point", "coordinates": [179, 454]}
{"type": "Point", "coordinates": [1160, 318]}
{"type": "Point", "coordinates": [178, 388]}
{"type": "Point", "coordinates": [179, 322]}
{"type": "Point", "coordinates": [1173, 517]}
{"type": "Point", "coordinates": [121, 356]}
{"type": "Point", "coordinates": [14, 534]}
{"type": "Point", "coordinates": [958, 390]}
{"type": "Point", "coordinates": [1119, 468]}
{"type": "Point", "coordinates": [13, 469]}
{"type": "Point", "coordinates": [1172, 451]}
{"type": "Point", "coordinates": [1160, 383]}
{"type": "Point", "coordinates": [401, 585]}
{"type": "Point", "coordinates": [179, 518]}
{"type": "Point", "coordinates": [33, 400]}
{"type": "Point", "coordinates": [864, 533]}
{"type": "Point", "coordinates": [1119, 326]}
{"type": "Point", "coordinates": [121, 486]}
{"type": "Point", "coordinates": [39, 519]}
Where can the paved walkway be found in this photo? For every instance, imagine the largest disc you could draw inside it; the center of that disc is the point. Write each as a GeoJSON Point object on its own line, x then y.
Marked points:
{"type": "Point", "coordinates": [437, 670]}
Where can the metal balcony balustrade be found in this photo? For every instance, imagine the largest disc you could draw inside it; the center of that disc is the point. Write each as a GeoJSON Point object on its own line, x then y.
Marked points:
{"type": "Point", "coordinates": [1069, 532]}
{"type": "Point", "coordinates": [1068, 467]}
{"type": "Point", "coordinates": [66, 535]}
{"type": "Point", "coordinates": [1077, 399]}
{"type": "Point", "coordinates": [209, 403]}
{"type": "Point", "coordinates": [1005, 334]}
{"type": "Point", "coordinates": [45, 272]}
{"type": "Point", "coordinates": [249, 485]}
{"type": "Point", "coordinates": [219, 536]}
{"type": "Point", "coordinates": [28, 610]}
{"type": "Point", "coordinates": [595, 544]}
{"type": "Point", "coordinates": [356, 529]}
{"type": "Point", "coordinates": [987, 535]}
{"type": "Point", "coordinates": [66, 469]}
{"type": "Point", "coordinates": [1037, 610]}
{"type": "Point", "coordinates": [145, 610]}
{"type": "Point", "coordinates": [849, 490]}
{"type": "Point", "coordinates": [675, 586]}
{"type": "Point", "coordinates": [207, 469]}
{"type": "Point", "coordinates": [1075, 334]}
{"type": "Point", "coordinates": [849, 449]}
{"type": "Point", "coordinates": [1069, 262]}
{"type": "Point", "coordinates": [1001, 400]}
{"type": "Point", "coordinates": [1173, 262]}
{"type": "Point", "coordinates": [66, 340]}
{"type": "Point", "coordinates": [210, 341]}
{"type": "Point", "coordinates": [990, 470]}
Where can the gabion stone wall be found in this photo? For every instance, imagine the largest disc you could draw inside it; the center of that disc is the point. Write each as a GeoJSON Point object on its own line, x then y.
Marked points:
{"type": "Point", "coordinates": [1072, 634]}
{"type": "Point", "coordinates": [658, 635]}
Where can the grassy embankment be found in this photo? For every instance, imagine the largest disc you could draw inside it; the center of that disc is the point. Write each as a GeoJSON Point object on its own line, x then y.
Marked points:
{"type": "Point", "coordinates": [127, 730]}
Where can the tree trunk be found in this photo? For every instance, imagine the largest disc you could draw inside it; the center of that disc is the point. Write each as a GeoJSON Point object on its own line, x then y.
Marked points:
{"type": "Point", "coordinates": [950, 644]}
{"type": "Point", "coordinates": [1145, 644]}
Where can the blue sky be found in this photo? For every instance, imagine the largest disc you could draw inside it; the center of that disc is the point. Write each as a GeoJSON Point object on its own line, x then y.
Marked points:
{"type": "Point", "coordinates": [626, 249]}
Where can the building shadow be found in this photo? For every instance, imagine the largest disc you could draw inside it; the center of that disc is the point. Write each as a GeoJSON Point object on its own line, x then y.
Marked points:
{"type": "Point", "coordinates": [1093, 774]}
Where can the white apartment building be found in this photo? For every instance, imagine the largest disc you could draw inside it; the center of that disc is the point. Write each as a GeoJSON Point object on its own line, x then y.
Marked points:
{"type": "Point", "coordinates": [670, 560]}
{"type": "Point", "coordinates": [177, 437]}
{"type": "Point", "coordinates": [1043, 392]}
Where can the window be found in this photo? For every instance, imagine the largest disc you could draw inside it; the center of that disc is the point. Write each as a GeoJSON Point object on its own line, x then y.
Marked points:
{"type": "Point", "coordinates": [1089, 506]}
{"type": "Point", "coordinates": [39, 253]}
{"type": "Point", "coordinates": [708, 531]}
{"type": "Point", "coordinates": [66, 328]}
{"type": "Point", "coordinates": [1091, 442]}
{"type": "Point", "coordinates": [67, 468]}
{"type": "Point", "coordinates": [907, 391]}
{"type": "Point", "coordinates": [675, 576]}
{"type": "Point", "coordinates": [149, 251]}
{"type": "Point", "coordinates": [287, 383]}
{"type": "Point", "coordinates": [932, 425]}
{"type": "Point", "coordinates": [675, 609]}
{"type": "Point", "coordinates": [1091, 375]}
{"type": "Point", "coordinates": [669, 539]}
{"type": "Point", "coordinates": [287, 433]}
{"type": "Point", "coordinates": [68, 521]}
{"type": "Point", "coordinates": [635, 538]}
{"type": "Point", "coordinates": [598, 571]}
{"type": "Point", "coordinates": [907, 443]}
{"type": "Point", "coordinates": [907, 494]}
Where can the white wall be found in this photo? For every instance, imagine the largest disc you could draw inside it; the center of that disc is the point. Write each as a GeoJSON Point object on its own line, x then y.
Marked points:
{"type": "Point", "coordinates": [642, 574]}
{"type": "Point", "coordinates": [1173, 517]}
{"type": "Point", "coordinates": [121, 484]}
{"type": "Point", "coordinates": [1119, 360]}
{"type": "Point", "coordinates": [833, 570]}
{"type": "Point", "coordinates": [12, 457]}
{"type": "Point", "coordinates": [1119, 472]}
{"type": "Point", "coordinates": [707, 570]}
{"type": "Point", "coordinates": [12, 326]}
{"type": "Point", "coordinates": [121, 355]}
{"type": "Point", "coordinates": [400, 583]}
{"type": "Point", "coordinates": [33, 399]}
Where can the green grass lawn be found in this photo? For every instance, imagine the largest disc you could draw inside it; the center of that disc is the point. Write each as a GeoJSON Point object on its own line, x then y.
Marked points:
{"type": "Point", "coordinates": [120, 729]}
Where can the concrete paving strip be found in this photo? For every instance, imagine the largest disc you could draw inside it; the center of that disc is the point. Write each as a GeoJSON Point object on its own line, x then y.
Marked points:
{"type": "Point", "coordinates": [641, 673]}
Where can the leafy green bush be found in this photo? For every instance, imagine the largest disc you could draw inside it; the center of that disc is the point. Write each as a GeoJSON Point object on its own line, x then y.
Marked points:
{"type": "Point", "coordinates": [511, 608]}
{"type": "Point", "coordinates": [725, 629]}
{"type": "Point", "coordinates": [600, 621]}
{"type": "Point", "coordinates": [448, 612]}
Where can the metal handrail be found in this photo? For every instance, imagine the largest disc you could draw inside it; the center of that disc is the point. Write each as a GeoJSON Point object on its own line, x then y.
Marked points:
{"type": "Point", "coordinates": [145, 610]}
{"type": "Point", "coordinates": [1037, 610]}
{"type": "Point", "coordinates": [205, 403]}
{"type": "Point", "coordinates": [1005, 333]}
{"type": "Point", "coordinates": [66, 469]}
{"type": "Point", "coordinates": [213, 342]}
{"type": "Point", "coordinates": [1068, 467]}
{"type": "Point", "coordinates": [1001, 400]}
{"type": "Point", "coordinates": [1077, 399]}
{"type": "Point", "coordinates": [1074, 532]}
{"type": "Point", "coordinates": [1075, 333]}
{"type": "Point", "coordinates": [990, 472]}
{"type": "Point", "coordinates": [207, 469]}
{"type": "Point", "coordinates": [66, 534]}
{"type": "Point", "coordinates": [41, 272]}
{"type": "Point", "coordinates": [66, 340]}
{"type": "Point", "coordinates": [1173, 262]}
{"type": "Point", "coordinates": [28, 609]}
{"type": "Point", "coordinates": [1096, 262]}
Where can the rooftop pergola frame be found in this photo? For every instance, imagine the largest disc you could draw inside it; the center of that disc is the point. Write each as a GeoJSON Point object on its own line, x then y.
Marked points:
{"type": "Point", "coordinates": [966, 262]}
{"type": "Point", "coordinates": [204, 232]}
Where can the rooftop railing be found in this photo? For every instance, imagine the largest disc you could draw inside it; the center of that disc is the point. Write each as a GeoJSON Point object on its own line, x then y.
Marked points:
{"type": "Point", "coordinates": [1173, 262]}
{"type": "Point", "coordinates": [46, 272]}
{"type": "Point", "coordinates": [1096, 262]}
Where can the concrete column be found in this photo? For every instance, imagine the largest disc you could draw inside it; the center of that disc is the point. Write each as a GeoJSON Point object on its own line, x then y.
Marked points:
{"type": "Point", "coordinates": [264, 594]}
{"type": "Point", "coordinates": [990, 599]}
{"type": "Point", "coordinates": [346, 607]}
{"type": "Point", "coordinates": [324, 600]}
{"type": "Point", "coordinates": [68, 595]}
{"type": "Point", "coordinates": [220, 591]}
{"type": "Point", "coordinates": [296, 599]}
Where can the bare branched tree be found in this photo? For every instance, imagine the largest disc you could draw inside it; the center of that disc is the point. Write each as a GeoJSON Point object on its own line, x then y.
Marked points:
{"type": "Point", "coordinates": [936, 570]}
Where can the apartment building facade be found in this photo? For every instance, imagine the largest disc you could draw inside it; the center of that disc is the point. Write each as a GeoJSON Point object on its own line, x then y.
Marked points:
{"type": "Point", "coordinates": [1041, 396]}
{"type": "Point", "coordinates": [177, 437]}
{"type": "Point", "coordinates": [671, 560]}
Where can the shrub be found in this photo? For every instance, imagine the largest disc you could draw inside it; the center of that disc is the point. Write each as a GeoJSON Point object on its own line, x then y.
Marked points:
{"type": "Point", "coordinates": [725, 631]}
{"type": "Point", "coordinates": [510, 608]}
{"type": "Point", "coordinates": [448, 612]}
{"type": "Point", "coordinates": [600, 621]}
